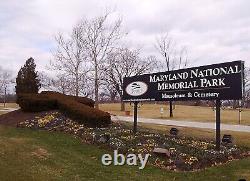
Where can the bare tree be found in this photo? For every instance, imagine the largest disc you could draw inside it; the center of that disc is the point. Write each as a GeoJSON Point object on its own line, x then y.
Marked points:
{"type": "Point", "coordinates": [70, 58]}
{"type": "Point", "coordinates": [183, 58]}
{"type": "Point", "coordinates": [62, 84]}
{"type": "Point", "coordinates": [109, 89]}
{"type": "Point", "coordinates": [59, 83]}
{"type": "Point", "coordinates": [5, 80]}
{"type": "Point", "coordinates": [45, 80]}
{"type": "Point", "coordinates": [164, 46]}
{"type": "Point", "coordinates": [173, 58]}
{"type": "Point", "coordinates": [99, 38]}
{"type": "Point", "coordinates": [125, 63]}
{"type": "Point", "coordinates": [246, 98]}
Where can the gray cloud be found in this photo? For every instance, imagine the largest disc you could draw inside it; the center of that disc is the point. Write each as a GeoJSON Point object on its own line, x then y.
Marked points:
{"type": "Point", "coordinates": [213, 31]}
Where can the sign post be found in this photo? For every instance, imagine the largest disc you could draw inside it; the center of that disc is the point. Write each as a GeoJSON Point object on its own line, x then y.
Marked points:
{"type": "Point", "coordinates": [135, 116]}
{"type": "Point", "coordinates": [240, 106]}
{"type": "Point", "coordinates": [171, 109]}
{"type": "Point", "coordinates": [218, 104]}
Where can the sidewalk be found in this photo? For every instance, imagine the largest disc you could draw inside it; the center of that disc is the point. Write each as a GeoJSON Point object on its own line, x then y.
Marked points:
{"type": "Point", "coordinates": [192, 124]}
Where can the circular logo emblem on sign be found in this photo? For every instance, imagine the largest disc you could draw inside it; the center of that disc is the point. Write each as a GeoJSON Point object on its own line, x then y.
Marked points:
{"type": "Point", "coordinates": [136, 88]}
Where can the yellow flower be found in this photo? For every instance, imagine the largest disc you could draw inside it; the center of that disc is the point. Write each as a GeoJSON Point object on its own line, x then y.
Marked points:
{"type": "Point", "coordinates": [172, 150]}
{"type": "Point", "coordinates": [193, 159]}
{"type": "Point", "coordinates": [46, 119]}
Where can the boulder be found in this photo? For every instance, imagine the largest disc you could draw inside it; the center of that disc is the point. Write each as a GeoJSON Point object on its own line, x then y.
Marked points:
{"type": "Point", "coordinates": [162, 152]}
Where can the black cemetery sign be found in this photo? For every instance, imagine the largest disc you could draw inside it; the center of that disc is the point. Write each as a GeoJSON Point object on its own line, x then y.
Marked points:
{"type": "Point", "coordinates": [218, 82]}
{"type": "Point", "coordinates": [212, 82]}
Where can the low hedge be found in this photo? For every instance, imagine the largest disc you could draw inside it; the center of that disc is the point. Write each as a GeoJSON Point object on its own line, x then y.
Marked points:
{"type": "Point", "coordinates": [85, 101]}
{"type": "Point", "coordinates": [36, 103]}
{"type": "Point", "coordinates": [57, 95]}
{"type": "Point", "coordinates": [84, 114]}
{"type": "Point", "coordinates": [78, 108]}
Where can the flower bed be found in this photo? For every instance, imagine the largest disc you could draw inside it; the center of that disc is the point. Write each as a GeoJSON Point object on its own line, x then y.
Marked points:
{"type": "Point", "coordinates": [81, 109]}
{"type": "Point", "coordinates": [186, 154]}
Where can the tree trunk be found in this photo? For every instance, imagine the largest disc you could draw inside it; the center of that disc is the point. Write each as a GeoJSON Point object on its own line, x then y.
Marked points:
{"type": "Point", "coordinates": [77, 86]}
{"type": "Point", "coordinates": [112, 96]}
{"type": "Point", "coordinates": [96, 88]}
{"type": "Point", "coordinates": [122, 106]}
{"type": "Point", "coordinates": [4, 104]}
{"type": "Point", "coordinates": [235, 104]}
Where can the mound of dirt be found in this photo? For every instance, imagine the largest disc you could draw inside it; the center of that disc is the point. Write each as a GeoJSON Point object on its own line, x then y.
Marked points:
{"type": "Point", "coordinates": [15, 117]}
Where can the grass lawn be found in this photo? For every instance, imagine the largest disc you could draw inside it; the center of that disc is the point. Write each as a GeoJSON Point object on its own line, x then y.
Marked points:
{"type": "Point", "coordinates": [181, 112]}
{"type": "Point", "coordinates": [40, 155]}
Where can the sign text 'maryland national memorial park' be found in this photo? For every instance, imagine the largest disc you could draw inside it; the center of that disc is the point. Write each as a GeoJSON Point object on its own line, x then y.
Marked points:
{"type": "Point", "coordinates": [212, 82]}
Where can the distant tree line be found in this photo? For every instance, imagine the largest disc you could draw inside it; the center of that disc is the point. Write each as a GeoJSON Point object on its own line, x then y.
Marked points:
{"type": "Point", "coordinates": [8, 98]}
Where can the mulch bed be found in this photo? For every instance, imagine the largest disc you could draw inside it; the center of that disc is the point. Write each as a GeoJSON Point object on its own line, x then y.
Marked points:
{"type": "Point", "coordinates": [15, 117]}
{"type": "Point", "coordinates": [185, 154]}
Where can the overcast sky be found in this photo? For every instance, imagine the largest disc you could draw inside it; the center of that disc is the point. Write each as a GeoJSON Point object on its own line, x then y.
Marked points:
{"type": "Point", "coordinates": [213, 31]}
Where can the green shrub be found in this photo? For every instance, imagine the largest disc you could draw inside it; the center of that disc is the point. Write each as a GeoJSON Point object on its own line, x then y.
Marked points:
{"type": "Point", "coordinates": [78, 108]}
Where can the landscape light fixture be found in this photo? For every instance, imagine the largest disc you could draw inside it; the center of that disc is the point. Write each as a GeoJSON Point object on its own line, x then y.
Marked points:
{"type": "Point", "coordinates": [174, 131]}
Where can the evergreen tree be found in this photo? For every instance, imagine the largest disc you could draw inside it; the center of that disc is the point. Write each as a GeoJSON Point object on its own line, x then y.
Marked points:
{"type": "Point", "coordinates": [27, 80]}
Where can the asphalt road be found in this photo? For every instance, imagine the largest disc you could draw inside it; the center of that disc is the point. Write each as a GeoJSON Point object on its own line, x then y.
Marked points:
{"type": "Point", "coordinates": [192, 124]}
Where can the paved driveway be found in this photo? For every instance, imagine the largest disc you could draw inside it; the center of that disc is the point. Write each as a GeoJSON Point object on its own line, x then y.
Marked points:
{"type": "Point", "coordinates": [192, 124]}
{"type": "Point", "coordinates": [8, 109]}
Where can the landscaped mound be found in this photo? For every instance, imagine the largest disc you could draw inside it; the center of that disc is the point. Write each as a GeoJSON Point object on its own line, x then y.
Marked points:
{"type": "Point", "coordinates": [80, 109]}
{"type": "Point", "coordinates": [185, 154]}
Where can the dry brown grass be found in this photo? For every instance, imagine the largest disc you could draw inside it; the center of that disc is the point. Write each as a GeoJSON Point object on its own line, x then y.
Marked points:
{"type": "Point", "coordinates": [9, 105]}
{"type": "Point", "coordinates": [241, 139]}
{"type": "Point", "coordinates": [181, 112]}
{"type": "Point", "coordinates": [41, 153]}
